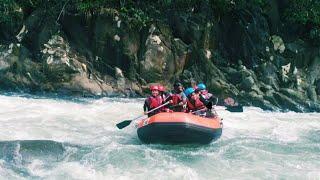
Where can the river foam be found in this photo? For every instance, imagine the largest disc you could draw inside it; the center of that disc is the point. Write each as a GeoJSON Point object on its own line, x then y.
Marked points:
{"type": "Point", "coordinates": [58, 138]}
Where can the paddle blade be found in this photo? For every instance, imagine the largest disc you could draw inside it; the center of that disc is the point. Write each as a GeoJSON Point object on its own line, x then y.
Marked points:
{"type": "Point", "coordinates": [124, 124]}
{"type": "Point", "coordinates": [234, 108]}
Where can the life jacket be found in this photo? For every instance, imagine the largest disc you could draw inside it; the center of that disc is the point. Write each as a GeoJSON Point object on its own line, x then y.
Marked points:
{"type": "Point", "coordinates": [206, 95]}
{"type": "Point", "coordinates": [163, 98]}
{"type": "Point", "coordinates": [196, 106]}
{"type": "Point", "coordinates": [176, 98]}
{"type": "Point", "coordinates": [154, 102]}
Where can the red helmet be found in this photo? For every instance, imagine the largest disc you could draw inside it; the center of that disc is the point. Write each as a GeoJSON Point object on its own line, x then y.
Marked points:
{"type": "Point", "coordinates": [154, 87]}
{"type": "Point", "coordinates": [161, 88]}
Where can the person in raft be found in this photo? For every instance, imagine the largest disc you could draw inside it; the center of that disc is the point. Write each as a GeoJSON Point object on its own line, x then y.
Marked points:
{"type": "Point", "coordinates": [153, 101]}
{"type": "Point", "coordinates": [179, 99]}
{"type": "Point", "coordinates": [165, 96]}
{"type": "Point", "coordinates": [163, 93]}
{"type": "Point", "coordinates": [205, 96]}
{"type": "Point", "coordinates": [193, 102]}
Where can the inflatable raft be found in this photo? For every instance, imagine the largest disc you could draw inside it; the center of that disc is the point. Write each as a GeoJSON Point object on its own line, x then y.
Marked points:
{"type": "Point", "coordinates": [179, 127]}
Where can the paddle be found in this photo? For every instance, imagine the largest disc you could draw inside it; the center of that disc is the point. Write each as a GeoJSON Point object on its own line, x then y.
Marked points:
{"type": "Point", "coordinates": [234, 108]}
{"type": "Point", "coordinates": [126, 123]}
{"type": "Point", "coordinates": [193, 112]}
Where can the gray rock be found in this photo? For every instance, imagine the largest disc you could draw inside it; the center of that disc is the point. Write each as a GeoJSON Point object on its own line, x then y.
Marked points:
{"type": "Point", "coordinates": [269, 97]}
{"type": "Point", "coordinates": [314, 72]}
{"type": "Point", "coordinates": [298, 96]}
{"type": "Point", "coordinates": [4, 65]}
{"type": "Point", "coordinates": [314, 107]}
{"type": "Point", "coordinates": [220, 87]}
{"type": "Point", "coordinates": [253, 99]}
{"type": "Point", "coordinates": [287, 103]}
{"type": "Point", "coordinates": [247, 83]}
{"type": "Point", "coordinates": [318, 87]}
{"type": "Point", "coordinates": [157, 59]}
{"type": "Point", "coordinates": [233, 75]}
{"type": "Point", "coordinates": [312, 94]}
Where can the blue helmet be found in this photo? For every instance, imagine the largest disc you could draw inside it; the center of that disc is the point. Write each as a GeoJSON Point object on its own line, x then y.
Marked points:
{"type": "Point", "coordinates": [188, 91]}
{"type": "Point", "coordinates": [201, 86]}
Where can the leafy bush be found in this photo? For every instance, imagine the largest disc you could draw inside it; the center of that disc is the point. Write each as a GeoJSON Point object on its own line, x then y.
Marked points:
{"type": "Point", "coordinates": [135, 17]}
{"type": "Point", "coordinates": [8, 10]}
{"type": "Point", "coordinates": [304, 12]}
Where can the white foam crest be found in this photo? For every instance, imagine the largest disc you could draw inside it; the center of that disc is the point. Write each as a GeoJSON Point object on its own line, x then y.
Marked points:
{"type": "Point", "coordinates": [253, 143]}
{"type": "Point", "coordinates": [73, 170]}
{"type": "Point", "coordinates": [6, 173]}
{"type": "Point", "coordinates": [62, 120]}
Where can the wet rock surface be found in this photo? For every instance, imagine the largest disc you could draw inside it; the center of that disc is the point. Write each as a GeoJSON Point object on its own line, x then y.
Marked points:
{"type": "Point", "coordinates": [242, 55]}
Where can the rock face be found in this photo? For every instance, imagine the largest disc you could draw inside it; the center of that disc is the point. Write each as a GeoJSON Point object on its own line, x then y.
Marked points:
{"type": "Point", "coordinates": [244, 55]}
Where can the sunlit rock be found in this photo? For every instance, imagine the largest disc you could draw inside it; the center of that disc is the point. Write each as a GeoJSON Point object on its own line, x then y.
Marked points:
{"type": "Point", "coordinates": [285, 69]}
{"type": "Point", "coordinates": [208, 54]}
{"type": "Point", "coordinates": [116, 37]}
{"type": "Point", "coordinates": [278, 43]}
{"type": "Point", "coordinates": [22, 33]}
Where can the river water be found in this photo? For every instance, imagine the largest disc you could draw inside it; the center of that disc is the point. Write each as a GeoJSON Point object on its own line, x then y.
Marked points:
{"type": "Point", "coordinates": [58, 138]}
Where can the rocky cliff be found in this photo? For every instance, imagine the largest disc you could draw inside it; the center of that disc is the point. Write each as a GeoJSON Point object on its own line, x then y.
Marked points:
{"type": "Point", "coordinates": [247, 52]}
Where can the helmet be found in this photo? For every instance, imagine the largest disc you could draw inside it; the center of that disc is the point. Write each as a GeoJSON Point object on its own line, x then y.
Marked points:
{"type": "Point", "coordinates": [177, 84]}
{"type": "Point", "coordinates": [154, 87]}
{"type": "Point", "coordinates": [201, 86]}
{"type": "Point", "coordinates": [188, 91]}
{"type": "Point", "coordinates": [161, 88]}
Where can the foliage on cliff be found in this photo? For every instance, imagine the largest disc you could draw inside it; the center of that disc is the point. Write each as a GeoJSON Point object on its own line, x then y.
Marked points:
{"type": "Point", "coordinates": [142, 11]}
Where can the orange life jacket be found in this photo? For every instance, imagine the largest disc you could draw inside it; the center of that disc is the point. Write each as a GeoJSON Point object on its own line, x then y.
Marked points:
{"type": "Point", "coordinates": [195, 106]}
{"type": "Point", "coordinates": [154, 102]}
{"type": "Point", "coordinates": [176, 98]}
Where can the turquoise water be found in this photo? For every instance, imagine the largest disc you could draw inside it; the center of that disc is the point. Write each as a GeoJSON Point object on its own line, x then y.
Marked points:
{"type": "Point", "coordinates": [51, 138]}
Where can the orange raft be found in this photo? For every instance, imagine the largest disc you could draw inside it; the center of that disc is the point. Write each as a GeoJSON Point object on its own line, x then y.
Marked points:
{"type": "Point", "coordinates": [179, 127]}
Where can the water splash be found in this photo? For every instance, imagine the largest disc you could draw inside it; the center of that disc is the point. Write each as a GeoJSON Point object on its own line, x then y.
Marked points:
{"type": "Point", "coordinates": [49, 137]}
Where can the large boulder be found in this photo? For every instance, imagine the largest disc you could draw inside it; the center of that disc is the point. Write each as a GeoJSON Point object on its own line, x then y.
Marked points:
{"type": "Point", "coordinates": [268, 75]}
{"type": "Point", "coordinates": [8, 55]}
{"type": "Point", "coordinates": [287, 103]}
{"type": "Point", "coordinates": [155, 60]}
{"type": "Point", "coordinates": [312, 94]}
{"type": "Point", "coordinates": [298, 96]}
{"type": "Point", "coordinates": [81, 85]}
{"type": "Point", "coordinates": [318, 87]}
{"type": "Point", "coordinates": [17, 71]}
{"type": "Point", "coordinates": [232, 74]}
{"type": "Point", "coordinates": [67, 70]}
{"type": "Point", "coordinates": [255, 99]}
{"type": "Point", "coordinates": [164, 58]}
{"type": "Point", "coordinates": [60, 62]}
{"type": "Point", "coordinates": [313, 70]}
{"type": "Point", "coordinates": [247, 83]}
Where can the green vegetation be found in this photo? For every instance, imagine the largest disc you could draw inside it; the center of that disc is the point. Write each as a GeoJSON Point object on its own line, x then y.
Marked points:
{"type": "Point", "coordinates": [139, 13]}
{"type": "Point", "coordinates": [9, 11]}
{"type": "Point", "coordinates": [304, 12]}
